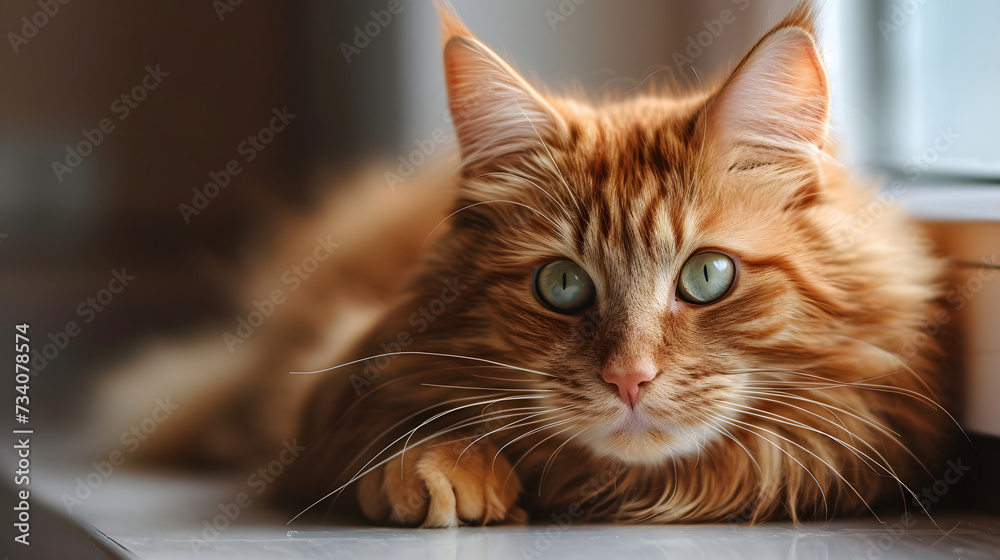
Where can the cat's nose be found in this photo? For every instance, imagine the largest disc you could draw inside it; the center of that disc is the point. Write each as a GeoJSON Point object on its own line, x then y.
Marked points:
{"type": "Point", "coordinates": [630, 379]}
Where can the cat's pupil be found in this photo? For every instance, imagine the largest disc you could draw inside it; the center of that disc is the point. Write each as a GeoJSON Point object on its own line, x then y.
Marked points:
{"type": "Point", "coordinates": [563, 286]}
{"type": "Point", "coordinates": [690, 286]}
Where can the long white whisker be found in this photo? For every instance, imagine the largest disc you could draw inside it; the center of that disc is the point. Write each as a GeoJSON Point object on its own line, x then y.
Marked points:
{"type": "Point", "coordinates": [883, 465]}
{"type": "Point", "coordinates": [521, 422]}
{"type": "Point", "coordinates": [775, 417]}
{"type": "Point", "coordinates": [415, 353]}
{"type": "Point", "coordinates": [565, 211]}
{"type": "Point", "coordinates": [442, 414]}
{"type": "Point", "coordinates": [533, 447]}
{"type": "Point", "coordinates": [488, 388]}
{"type": "Point", "coordinates": [726, 433]}
{"type": "Point", "coordinates": [480, 203]}
{"type": "Point", "coordinates": [877, 426]}
{"type": "Point", "coordinates": [821, 460]}
{"type": "Point", "coordinates": [552, 458]}
{"type": "Point", "coordinates": [405, 420]}
{"type": "Point", "coordinates": [749, 429]}
{"type": "Point", "coordinates": [762, 393]}
{"type": "Point", "coordinates": [551, 157]}
{"type": "Point", "coordinates": [367, 469]}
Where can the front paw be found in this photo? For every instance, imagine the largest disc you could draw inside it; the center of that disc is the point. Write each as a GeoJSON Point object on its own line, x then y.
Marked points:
{"type": "Point", "coordinates": [443, 484]}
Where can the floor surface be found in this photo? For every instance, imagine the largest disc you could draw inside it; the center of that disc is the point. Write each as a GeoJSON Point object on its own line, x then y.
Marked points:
{"type": "Point", "coordinates": [156, 517]}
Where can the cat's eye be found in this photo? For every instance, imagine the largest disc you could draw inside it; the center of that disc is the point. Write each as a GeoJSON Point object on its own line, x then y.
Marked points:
{"type": "Point", "coordinates": [706, 277]}
{"type": "Point", "coordinates": [563, 286]}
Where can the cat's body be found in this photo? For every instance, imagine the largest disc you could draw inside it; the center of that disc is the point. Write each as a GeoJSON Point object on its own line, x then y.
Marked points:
{"type": "Point", "coordinates": [806, 388]}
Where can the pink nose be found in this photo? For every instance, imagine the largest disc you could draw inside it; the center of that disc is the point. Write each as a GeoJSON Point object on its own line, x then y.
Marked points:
{"type": "Point", "coordinates": [630, 379]}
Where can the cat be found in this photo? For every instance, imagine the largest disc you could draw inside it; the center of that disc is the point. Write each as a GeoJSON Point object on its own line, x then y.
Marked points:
{"type": "Point", "coordinates": [655, 308]}
{"type": "Point", "coordinates": [658, 308]}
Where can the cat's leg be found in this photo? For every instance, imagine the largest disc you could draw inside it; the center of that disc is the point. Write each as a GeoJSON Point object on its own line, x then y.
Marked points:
{"type": "Point", "coordinates": [444, 483]}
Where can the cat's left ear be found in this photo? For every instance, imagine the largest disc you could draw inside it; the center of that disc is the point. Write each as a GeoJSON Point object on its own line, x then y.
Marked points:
{"type": "Point", "coordinates": [495, 111]}
{"type": "Point", "coordinates": [778, 97]}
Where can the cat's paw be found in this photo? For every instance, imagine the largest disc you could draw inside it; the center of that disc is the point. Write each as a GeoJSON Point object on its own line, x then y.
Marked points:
{"type": "Point", "coordinates": [443, 484]}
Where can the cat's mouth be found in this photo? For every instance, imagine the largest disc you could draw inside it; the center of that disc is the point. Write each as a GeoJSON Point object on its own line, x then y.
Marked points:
{"type": "Point", "coordinates": [634, 437]}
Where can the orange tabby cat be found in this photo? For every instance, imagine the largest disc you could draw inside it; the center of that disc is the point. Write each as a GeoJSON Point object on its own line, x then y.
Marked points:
{"type": "Point", "coordinates": [656, 308]}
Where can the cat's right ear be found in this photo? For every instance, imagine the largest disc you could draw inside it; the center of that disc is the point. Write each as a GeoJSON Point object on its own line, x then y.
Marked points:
{"type": "Point", "coordinates": [778, 95]}
{"type": "Point", "coordinates": [495, 111]}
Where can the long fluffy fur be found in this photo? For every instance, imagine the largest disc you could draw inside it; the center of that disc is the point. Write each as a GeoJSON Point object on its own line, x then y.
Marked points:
{"type": "Point", "coordinates": [810, 390]}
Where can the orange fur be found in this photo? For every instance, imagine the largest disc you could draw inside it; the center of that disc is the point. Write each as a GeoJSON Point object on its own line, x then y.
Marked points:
{"type": "Point", "coordinates": [809, 390]}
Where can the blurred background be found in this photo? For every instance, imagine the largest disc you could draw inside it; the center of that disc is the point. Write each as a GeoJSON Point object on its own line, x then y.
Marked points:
{"type": "Point", "coordinates": [114, 116]}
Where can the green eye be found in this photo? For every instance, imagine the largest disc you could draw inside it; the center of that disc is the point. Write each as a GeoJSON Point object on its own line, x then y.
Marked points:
{"type": "Point", "coordinates": [563, 286]}
{"type": "Point", "coordinates": [706, 277]}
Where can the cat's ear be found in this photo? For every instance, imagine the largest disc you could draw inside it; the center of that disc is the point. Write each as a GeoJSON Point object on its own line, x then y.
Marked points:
{"type": "Point", "coordinates": [778, 96]}
{"type": "Point", "coordinates": [494, 110]}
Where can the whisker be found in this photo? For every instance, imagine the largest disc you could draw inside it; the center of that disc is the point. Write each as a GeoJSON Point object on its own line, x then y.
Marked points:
{"type": "Point", "coordinates": [749, 429]}
{"type": "Point", "coordinates": [366, 469]}
{"type": "Point", "coordinates": [442, 414]}
{"type": "Point", "coordinates": [551, 158]}
{"type": "Point", "coordinates": [552, 458]}
{"type": "Point", "coordinates": [821, 460]}
{"type": "Point", "coordinates": [884, 465]}
{"type": "Point", "coordinates": [877, 426]}
{"type": "Point", "coordinates": [410, 433]}
{"type": "Point", "coordinates": [415, 353]}
{"type": "Point", "coordinates": [774, 417]}
{"type": "Point", "coordinates": [488, 388]}
{"type": "Point", "coordinates": [521, 422]}
{"type": "Point", "coordinates": [400, 423]}
{"type": "Point", "coordinates": [726, 433]}
{"type": "Point", "coordinates": [565, 211]}
{"type": "Point", "coordinates": [533, 447]}
{"type": "Point", "coordinates": [780, 394]}
{"type": "Point", "coordinates": [814, 385]}
{"type": "Point", "coordinates": [480, 203]}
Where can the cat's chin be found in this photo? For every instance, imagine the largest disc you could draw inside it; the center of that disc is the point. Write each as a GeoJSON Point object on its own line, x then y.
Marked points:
{"type": "Point", "coordinates": [636, 441]}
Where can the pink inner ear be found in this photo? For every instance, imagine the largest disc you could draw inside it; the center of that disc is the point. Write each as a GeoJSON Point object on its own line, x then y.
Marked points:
{"type": "Point", "coordinates": [494, 110]}
{"type": "Point", "coordinates": [779, 94]}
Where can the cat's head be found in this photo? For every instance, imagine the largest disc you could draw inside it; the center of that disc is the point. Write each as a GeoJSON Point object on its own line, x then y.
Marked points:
{"type": "Point", "coordinates": [653, 253]}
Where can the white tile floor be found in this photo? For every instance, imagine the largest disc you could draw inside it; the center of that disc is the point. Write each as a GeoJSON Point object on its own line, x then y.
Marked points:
{"type": "Point", "coordinates": [156, 517]}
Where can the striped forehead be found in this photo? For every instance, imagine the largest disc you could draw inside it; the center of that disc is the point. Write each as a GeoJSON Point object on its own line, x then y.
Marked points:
{"type": "Point", "coordinates": [635, 199]}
